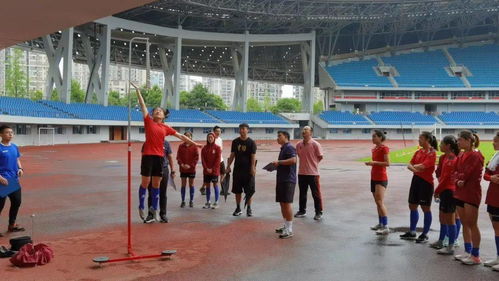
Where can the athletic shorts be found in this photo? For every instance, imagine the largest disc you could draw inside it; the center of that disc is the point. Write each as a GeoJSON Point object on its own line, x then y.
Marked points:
{"type": "Point", "coordinates": [421, 192]}
{"type": "Point", "coordinates": [460, 203]}
{"type": "Point", "coordinates": [493, 212]}
{"type": "Point", "coordinates": [284, 192]}
{"type": "Point", "coordinates": [447, 202]}
{"type": "Point", "coordinates": [151, 166]}
{"type": "Point", "coordinates": [243, 183]}
{"type": "Point", "coordinates": [374, 183]}
{"type": "Point", "coordinates": [188, 175]}
{"type": "Point", "coordinates": [210, 178]}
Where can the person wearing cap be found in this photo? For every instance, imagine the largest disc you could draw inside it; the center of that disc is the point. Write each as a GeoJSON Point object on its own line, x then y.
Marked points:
{"type": "Point", "coordinates": [243, 154]}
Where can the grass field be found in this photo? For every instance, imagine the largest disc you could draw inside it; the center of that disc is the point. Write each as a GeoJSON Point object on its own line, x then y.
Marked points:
{"type": "Point", "coordinates": [403, 156]}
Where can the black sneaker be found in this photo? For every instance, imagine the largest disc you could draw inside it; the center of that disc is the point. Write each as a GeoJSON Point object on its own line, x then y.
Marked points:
{"type": "Point", "coordinates": [163, 219]}
{"type": "Point", "coordinates": [149, 219]}
{"type": "Point", "coordinates": [300, 214]}
{"type": "Point", "coordinates": [408, 236]}
{"type": "Point", "coordinates": [249, 212]}
{"type": "Point", "coordinates": [318, 216]}
{"type": "Point", "coordinates": [202, 190]}
{"type": "Point", "coordinates": [423, 238]}
{"type": "Point", "coordinates": [237, 212]}
{"type": "Point", "coordinates": [191, 204]}
{"type": "Point", "coordinates": [182, 205]}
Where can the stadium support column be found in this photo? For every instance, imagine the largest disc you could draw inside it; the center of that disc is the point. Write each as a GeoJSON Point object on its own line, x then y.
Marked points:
{"type": "Point", "coordinates": [168, 67]}
{"type": "Point", "coordinates": [64, 51]}
{"type": "Point", "coordinates": [240, 61]}
{"type": "Point", "coordinates": [177, 67]}
{"type": "Point", "coordinates": [98, 83]}
{"type": "Point", "coordinates": [308, 65]}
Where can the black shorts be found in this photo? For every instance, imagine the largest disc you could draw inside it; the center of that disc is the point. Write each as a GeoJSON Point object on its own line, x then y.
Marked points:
{"type": "Point", "coordinates": [210, 178]}
{"type": "Point", "coordinates": [374, 183]}
{"type": "Point", "coordinates": [421, 192]}
{"type": "Point", "coordinates": [243, 183]}
{"type": "Point", "coordinates": [493, 212]}
{"type": "Point", "coordinates": [460, 203]}
{"type": "Point", "coordinates": [284, 192]}
{"type": "Point", "coordinates": [188, 175]}
{"type": "Point", "coordinates": [447, 202]}
{"type": "Point", "coordinates": [151, 166]}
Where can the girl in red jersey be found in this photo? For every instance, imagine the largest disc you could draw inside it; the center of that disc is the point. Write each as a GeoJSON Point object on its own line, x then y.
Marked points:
{"type": "Point", "coordinates": [187, 158]}
{"type": "Point", "coordinates": [468, 194]}
{"type": "Point", "coordinates": [445, 193]}
{"type": "Point", "coordinates": [421, 192]}
{"type": "Point", "coordinates": [492, 199]}
{"type": "Point", "coordinates": [151, 167]}
{"type": "Point", "coordinates": [379, 179]}
{"type": "Point", "coordinates": [211, 155]}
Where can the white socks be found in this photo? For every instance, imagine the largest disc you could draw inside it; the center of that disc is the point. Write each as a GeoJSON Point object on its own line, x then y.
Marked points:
{"type": "Point", "coordinates": [288, 225]}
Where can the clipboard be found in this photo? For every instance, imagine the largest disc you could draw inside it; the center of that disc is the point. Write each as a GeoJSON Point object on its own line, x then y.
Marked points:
{"type": "Point", "coordinates": [270, 167]}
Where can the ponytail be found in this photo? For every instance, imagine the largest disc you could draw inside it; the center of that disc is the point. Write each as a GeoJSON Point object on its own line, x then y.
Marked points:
{"type": "Point", "coordinates": [472, 137]}
{"type": "Point", "coordinates": [476, 141]}
{"type": "Point", "coordinates": [431, 139]}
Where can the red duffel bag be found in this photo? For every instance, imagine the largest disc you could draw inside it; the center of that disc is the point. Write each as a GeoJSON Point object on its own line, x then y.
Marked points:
{"type": "Point", "coordinates": [30, 255]}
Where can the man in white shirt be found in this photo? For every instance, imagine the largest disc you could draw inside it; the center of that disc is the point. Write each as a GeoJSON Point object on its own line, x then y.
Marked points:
{"type": "Point", "coordinates": [218, 141]}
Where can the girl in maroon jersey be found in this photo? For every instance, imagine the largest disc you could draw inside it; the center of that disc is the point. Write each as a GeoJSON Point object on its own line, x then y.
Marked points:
{"type": "Point", "coordinates": [492, 200]}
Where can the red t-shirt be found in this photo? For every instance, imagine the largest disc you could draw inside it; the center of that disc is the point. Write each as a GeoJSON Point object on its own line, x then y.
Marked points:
{"type": "Point", "coordinates": [188, 155]}
{"type": "Point", "coordinates": [378, 173]}
{"type": "Point", "coordinates": [155, 137]}
{"type": "Point", "coordinates": [445, 173]}
{"type": "Point", "coordinates": [428, 159]}
{"type": "Point", "coordinates": [210, 157]}
{"type": "Point", "coordinates": [492, 198]}
{"type": "Point", "coordinates": [469, 169]}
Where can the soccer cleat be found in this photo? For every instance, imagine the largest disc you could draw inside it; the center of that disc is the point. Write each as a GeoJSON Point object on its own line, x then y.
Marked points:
{"type": "Point", "coordinates": [149, 219]}
{"type": "Point", "coordinates": [182, 205]}
{"type": "Point", "coordinates": [214, 205]}
{"type": "Point", "coordinates": [142, 214]}
{"type": "Point", "coordinates": [249, 212]}
{"type": "Point", "coordinates": [449, 250]}
{"type": "Point", "coordinates": [207, 205]}
{"type": "Point", "coordinates": [300, 214]}
{"type": "Point", "coordinates": [491, 263]}
{"type": "Point", "coordinates": [286, 234]}
{"type": "Point", "coordinates": [318, 216]}
{"type": "Point", "coordinates": [280, 230]}
{"type": "Point", "coordinates": [376, 227]}
{"type": "Point", "coordinates": [237, 212]}
{"type": "Point", "coordinates": [437, 245]}
{"type": "Point", "coordinates": [383, 231]}
{"type": "Point", "coordinates": [191, 204]}
{"type": "Point", "coordinates": [471, 260]}
{"type": "Point", "coordinates": [462, 257]}
{"type": "Point", "coordinates": [423, 238]}
{"type": "Point", "coordinates": [408, 236]}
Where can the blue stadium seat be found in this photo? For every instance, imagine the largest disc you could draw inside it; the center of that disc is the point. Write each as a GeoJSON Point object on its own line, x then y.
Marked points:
{"type": "Point", "coordinates": [235, 117]}
{"type": "Point", "coordinates": [343, 118]}
{"type": "Point", "coordinates": [470, 118]}
{"type": "Point", "coordinates": [26, 107]}
{"type": "Point", "coordinates": [402, 118]}
{"type": "Point", "coordinates": [481, 61]}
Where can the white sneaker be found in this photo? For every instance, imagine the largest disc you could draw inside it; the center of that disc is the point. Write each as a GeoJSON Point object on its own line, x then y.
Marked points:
{"type": "Point", "coordinates": [472, 260]}
{"type": "Point", "coordinates": [495, 267]}
{"type": "Point", "coordinates": [142, 214]}
{"type": "Point", "coordinates": [207, 205]}
{"type": "Point", "coordinates": [376, 227]}
{"type": "Point", "coordinates": [286, 234]}
{"type": "Point", "coordinates": [214, 205]}
{"type": "Point", "coordinates": [456, 244]}
{"type": "Point", "coordinates": [383, 231]}
{"type": "Point", "coordinates": [492, 263]}
{"type": "Point", "coordinates": [461, 257]}
{"type": "Point", "coordinates": [449, 250]}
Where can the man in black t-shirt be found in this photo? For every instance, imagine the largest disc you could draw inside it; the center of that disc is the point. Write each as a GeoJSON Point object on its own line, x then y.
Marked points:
{"type": "Point", "coordinates": [243, 151]}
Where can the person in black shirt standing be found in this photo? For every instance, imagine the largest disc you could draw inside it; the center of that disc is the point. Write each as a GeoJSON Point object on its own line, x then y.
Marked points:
{"type": "Point", "coordinates": [243, 151]}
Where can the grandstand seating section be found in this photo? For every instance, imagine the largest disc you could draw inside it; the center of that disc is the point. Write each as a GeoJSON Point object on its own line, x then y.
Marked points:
{"type": "Point", "coordinates": [343, 118]}
{"type": "Point", "coordinates": [481, 61]}
{"type": "Point", "coordinates": [401, 117]}
{"type": "Point", "coordinates": [358, 74]}
{"type": "Point", "coordinates": [26, 107]}
{"type": "Point", "coordinates": [470, 118]}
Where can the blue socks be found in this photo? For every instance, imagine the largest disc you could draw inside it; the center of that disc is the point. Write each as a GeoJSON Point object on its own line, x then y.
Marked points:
{"type": "Point", "coordinates": [191, 193]}
{"type": "Point", "coordinates": [475, 252]}
{"type": "Point", "coordinates": [155, 198]}
{"type": "Point", "coordinates": [182, 193]}
{"type": "Point", "coordinates": [142, 197]}
{"type": "Point", "coordinates": [217, 193]}
{"type": "Point", "coordinates": [208, 194]}
{"type": "Point", "coordinates": [467, 247]}
{"type": "Point", "coordinates": [458, 227]}
{"type": "Point", "coordinates": [451, 231]}
{"type": "Point", "coordinates": [497, 245]}
{"type": "Point", "coordinates": [427, 222]}
{"type": "Point", "coordinates": [384, 221]}
{"type": "Point", "coordinates": [443, 232]}
{"type": "Point", "coordinates": [414, 220]}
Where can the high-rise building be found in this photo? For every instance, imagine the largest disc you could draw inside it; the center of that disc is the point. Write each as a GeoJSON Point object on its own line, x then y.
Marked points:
{"type": "Point", "coordinates": [221, 87]}
{"type": "Point", "coordinates": [260, 90]}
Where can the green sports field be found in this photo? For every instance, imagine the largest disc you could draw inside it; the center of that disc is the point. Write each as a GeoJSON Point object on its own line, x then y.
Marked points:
{"type": "Point", "coordinates": [403, 156]}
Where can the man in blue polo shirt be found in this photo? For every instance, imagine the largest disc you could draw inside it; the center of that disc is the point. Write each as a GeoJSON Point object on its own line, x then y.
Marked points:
{"type": "Point", "coordinates": [286, 182]}
{"type": "Point", "coordinates": [10, 171]}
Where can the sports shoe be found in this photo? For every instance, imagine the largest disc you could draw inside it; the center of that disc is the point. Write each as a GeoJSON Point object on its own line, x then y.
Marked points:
{"type": "Point", "coordinates": [182, 205]}
{"type": "Point", "coordinates": [445, 243]}
{"type": "Point", "coordinates": [214, 205]}
{"type": "Point", "coordinates": [471, 260]}
{"type": "Point", "coordinates": [202, 190]}
{"type": "Point", "coordinates": [449, 250]}
{"type": "Point", "coordinates": [207, 205]}
{"type": "Point", "coordinates": [280, 230]}
{"type": "Point", "coordinates": [376, 227]}
{"type": "Point", "coordinates": [456, 244]}
{"type": "Point", "coordinates": [249, 212]}
{"type": "Point", "coordinates": [142, 214]}
{"type": "Point", "coordinates": [462, 257]}
{"type": "Point", "coordinates": [423, 238]}
{"type": "Point", "coordinates": [491, 263]}
{"type": "Point", "coordinates": [286, 234]}
{"type": "Point", "coordinates": [495, 267]}
{"type": "Point", "coordinates": [437, 245]}
{"type": "Point", "coordinates": [149, 219]}
{"type": "Point", "coordinates": [318, 216]}
{"type": "Point", "coordinates": [237, 212]}
{"type": "Point", "coordinates": [383, 231]}
{"type": "Point", "coordinates": [191, 204]}
{"type": "Point", "coordinates": [300, 214]}
{"type": "Point", "coordinates": [163, 219]}
{"type": "Point", "coordinates": [408, 236]}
